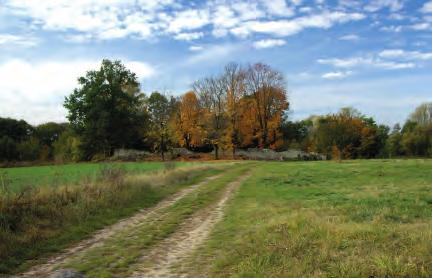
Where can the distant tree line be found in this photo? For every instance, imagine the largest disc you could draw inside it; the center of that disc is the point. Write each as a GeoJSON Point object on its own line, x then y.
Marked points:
{"type": "Point", "coordinates": [241, 107]}
{"type": "Point", "coordinates": [349, 134]}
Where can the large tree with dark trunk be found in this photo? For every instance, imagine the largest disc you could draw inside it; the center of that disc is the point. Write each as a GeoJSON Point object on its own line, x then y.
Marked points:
{"type": "Point", "coordinates": [106, 110]}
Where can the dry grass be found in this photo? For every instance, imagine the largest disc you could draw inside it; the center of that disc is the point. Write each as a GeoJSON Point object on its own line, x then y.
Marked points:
{"type": "Point", "coordinates": [43, 220]}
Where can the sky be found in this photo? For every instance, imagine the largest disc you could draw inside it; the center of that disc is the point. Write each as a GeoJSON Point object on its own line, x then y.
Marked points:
{"type": "Point", "coordinates": [373, 55]}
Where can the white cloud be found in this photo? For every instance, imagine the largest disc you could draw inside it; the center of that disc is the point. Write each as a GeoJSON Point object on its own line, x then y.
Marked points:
{"type": "Point", "coordinates": [406, 55]}
{"type": "Point", "coordinates": [350, 37]}
{"type": "Point", "coordinates": [269, 43]}
{"type": "Point", "coordinates": [143, 19]}
{"type": "Point", "coordinates": [427, 7]}
{"type": "Point", "coordinates": [346, 63]}
{"type": "Point", "coordinates": [214, 53]}
{"type": "Point", "coordinates": [366, 62]}
{"type": "Point", "coordinates": [278, 7]}
{"type": "Point", "coordinates": [35, 91]}
{"type": "Point", "coordinates": [376, 5]}
{"type": "Point", "coordinates": [294, 26]}
{"type": "Point", "coordinates": [103, 19]}
{"type": "Point", "coordinates": [336, 74]}
{"type": "Point", "coordinates": [195, 48]}
{"type": "Point", "coordinates": [392, 28]}
{"type": "Point", "coordinates": [14, 40]}
{"type": "Point", "coordinates": [188, 20]}
{"type": "Point", "coordinates": [421, 26]}
{"type": "Point", "coordinates": [189, 36]}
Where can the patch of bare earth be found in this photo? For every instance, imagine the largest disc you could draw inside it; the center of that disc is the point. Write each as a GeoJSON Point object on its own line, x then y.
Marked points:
{"type": "Point", "coordinates": [97, 239]}
{"type": "Point", "coordinates": [165, 259]}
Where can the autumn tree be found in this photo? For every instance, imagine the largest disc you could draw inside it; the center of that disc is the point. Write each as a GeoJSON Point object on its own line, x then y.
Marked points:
{"type": "Point", "coordinates": [249, 127]}
{"type": "Point", "coordinates": [349, 134]}
{"type": "Point", "coordinates": [187, 121]}
{"type": "Point", "coordinates": [233, 82]}
{"type": "Point", "coordinates": [268, 89]}
{"type": "Point", "coordinates": [213, 98]}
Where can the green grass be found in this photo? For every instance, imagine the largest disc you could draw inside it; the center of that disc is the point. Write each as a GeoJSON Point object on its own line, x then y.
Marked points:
{"type": "Point", "coordinates": [54, 175]}
{"type": "Point", "coordinates": [46, 220]}
{"type": "Point", "coordinates": [118, 255]}
{"type": "Point", "coordinates": [326, 219]}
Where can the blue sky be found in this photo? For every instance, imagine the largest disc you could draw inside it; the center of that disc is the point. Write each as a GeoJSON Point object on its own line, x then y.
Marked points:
{"type": "Point", "coordinates": [374, 55]}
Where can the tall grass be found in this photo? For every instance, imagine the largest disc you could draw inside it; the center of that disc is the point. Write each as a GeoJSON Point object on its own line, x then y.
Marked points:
{"type": "Point", "coordinates": [41, 220]}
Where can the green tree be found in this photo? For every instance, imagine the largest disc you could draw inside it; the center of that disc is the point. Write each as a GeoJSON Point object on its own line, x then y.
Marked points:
{"type": "Point", "coordinates": [106, 110]}
{"type": "Point", "coordinates": [8, 149]}
{"type": "Point", "coordinates": [29, 149]}
{"type": "Point", "coordinates": [422, 115]}
{"type": "Point", "coordinates": [67, 147]}
{"type": "Point", "coordinates": [15, 137]}
{"type": "Point", "coordinates": [15, 130]}
{"type": "Point", "coordinates": [47, 134]}
{"type": "Point", "coordinates": [160, 109]}
{"type": "Point", "coordinates": [394, 142]}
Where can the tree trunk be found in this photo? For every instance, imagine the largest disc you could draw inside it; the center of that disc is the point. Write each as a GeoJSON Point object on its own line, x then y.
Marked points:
{"type": "Point", "coordinates": [216, 148]}
{"type": "Point", "coordinates": [233, 152]}
{"type": "Point", "coordinates": [162, 149]}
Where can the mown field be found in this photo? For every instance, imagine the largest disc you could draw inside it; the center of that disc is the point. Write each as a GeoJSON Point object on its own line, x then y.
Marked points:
{"type": "Point", "coordinates": [327, 219]}
{"type": "Point", "coordinates": [54, 175]}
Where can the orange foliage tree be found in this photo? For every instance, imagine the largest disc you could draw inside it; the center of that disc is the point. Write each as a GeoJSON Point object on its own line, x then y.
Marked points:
{"type": "Point", "coordinates": [267, 87]}
{"type": "Point", "coordinates": [187, 121]}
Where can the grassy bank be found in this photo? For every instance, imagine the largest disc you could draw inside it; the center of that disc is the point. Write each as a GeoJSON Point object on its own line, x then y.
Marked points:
{"type": "Point", "coordinates": [326, 219]}
{"type": "Point", "coordinates": [44, 220]}
{"type": "Point", "coordinates": [15, 179]}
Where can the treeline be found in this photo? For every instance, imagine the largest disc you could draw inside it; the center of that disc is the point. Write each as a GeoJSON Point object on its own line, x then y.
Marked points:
{"type": "Point", "coordinates": [241, 107]}
{"type": "Point", "coordinates": [350, 135]}
{"type": "Point", "coordinates": [19, 141]}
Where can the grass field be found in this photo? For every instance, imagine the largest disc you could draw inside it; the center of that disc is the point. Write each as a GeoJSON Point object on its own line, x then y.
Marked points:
{"type": "Point", "coordinates": [54, 175]}
{"type": "Point", "coordinates": [47, 219]}
{"type": "Point", "coordinates": [364, 218]}
{"type": "Point", "coordinates": [350, 219]}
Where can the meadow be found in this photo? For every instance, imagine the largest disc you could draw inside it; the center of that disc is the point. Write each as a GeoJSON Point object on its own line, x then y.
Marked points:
{"type": "Point", "coordinates": [355, 218]}
{"type": "Point", "coordinates": [327, 219]}
{"type": "Point", "coordinates": [18, 178]}
{"type": "Point", "coordinates": [41, 220]}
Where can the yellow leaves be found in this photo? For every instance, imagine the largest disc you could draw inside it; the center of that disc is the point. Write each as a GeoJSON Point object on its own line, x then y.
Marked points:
{"type": "Point", "coordinates": [188, 121]}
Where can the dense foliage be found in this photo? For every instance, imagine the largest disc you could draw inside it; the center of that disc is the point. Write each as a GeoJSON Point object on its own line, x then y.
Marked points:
{"type": "Point", "coordinates": [242, 107]}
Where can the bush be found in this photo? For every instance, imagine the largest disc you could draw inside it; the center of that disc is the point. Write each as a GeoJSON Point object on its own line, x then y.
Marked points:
{"type": "Point", "coordinates": [67, 148]}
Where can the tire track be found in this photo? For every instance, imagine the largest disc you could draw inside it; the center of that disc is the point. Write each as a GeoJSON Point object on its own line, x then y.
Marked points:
{"type": "Point", "coordinates": [45, 269]}
{"type": "Point", "coordinates": [160, 260]}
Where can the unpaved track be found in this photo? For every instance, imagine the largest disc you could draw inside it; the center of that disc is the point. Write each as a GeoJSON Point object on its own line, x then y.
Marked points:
{"type": "Point", "coordinates": [44, 270]}
{"type": "Point", "coordinates": [161, 260]}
